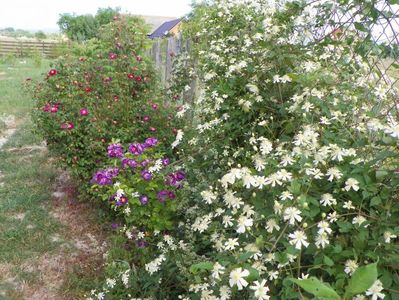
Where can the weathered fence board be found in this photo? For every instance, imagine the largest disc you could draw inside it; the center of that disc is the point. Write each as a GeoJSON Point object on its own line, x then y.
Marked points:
{"type": "Point", "coordinates": [164, 51]}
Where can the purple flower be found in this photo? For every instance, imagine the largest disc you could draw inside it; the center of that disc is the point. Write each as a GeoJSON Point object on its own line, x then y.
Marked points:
{"type": "Point", "coordinates": [162, 195]}
{"type": "Point", "coordinates": [141, 243]}
{"type": "Point", "coordinates": [147, 176]}
{"type": "Point", "coordinates": [180, 175]}
{"type": "Point", "coordinates": [165, 161]}
{"type": "Point", "coordinates": [132, 163]}
{"type": "Point", "coordinates": [165, 194]}
{"type": "Point", "coordinates": [129, 162]}
{"type": "Point", "coordinates": [145, 162]}
{"type": "Point", "coordinates": [150, 142]}
{"type": "Point", "coordinates": [123, 200]}
{"type": "Point", "coordinates": [115, 225]}
{"type": "Point", "coordinates": [124, 162]}
{"type": "Point", "coordinates": [171, 179]}
{"type": "Point", "coordinates": [174, 179]}
{"type": "Point", "coordinates": [102, 178]}
{"type": "Point", "coordinates": [143, 199]}
{"type": "Point", "coordinates": [136, 149]}
{"type": "Point", "coordinates": [112, 172]}
{"type": "Point", "coordinates": [115, 150]}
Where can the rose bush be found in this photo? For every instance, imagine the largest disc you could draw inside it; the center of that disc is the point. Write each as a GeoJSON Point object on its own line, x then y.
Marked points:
{"type": "Point", "coordinates": [111, 90]}
{"type": "Point", "coordinates": [291, 161]}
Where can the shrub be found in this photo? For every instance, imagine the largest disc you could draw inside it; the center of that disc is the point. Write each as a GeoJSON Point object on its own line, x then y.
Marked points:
{"type": "Point", "coordinates": [291, 164]}
{"type": "Point", "coordinates": [112, 91]}
{"type": "Point", "coordinates": [138, 187]}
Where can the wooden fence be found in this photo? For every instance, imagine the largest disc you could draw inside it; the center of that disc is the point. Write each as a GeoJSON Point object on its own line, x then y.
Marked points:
{"type": "Point", "coordinates": [163, 52]}
{"type": "Point", "coordinates": [23, 48]}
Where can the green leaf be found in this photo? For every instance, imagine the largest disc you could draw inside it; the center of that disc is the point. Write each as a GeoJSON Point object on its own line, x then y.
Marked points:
{"type": "Point", "coordinates": [362, 279]}
{"type": "Point", "coordinates": [317, 288]}
{"type": "Point", "coordinates": [202, 266]}
{"type": "Point", "coordinates": [245, 256]}
{"type": "Point", "coordinates": [253, 274]}
{"type": "Point", "coordinates": [328, 261]}
{"type": "Point", "coordinates": [295, 187]}
{"type": "Point", "coordinates": [393, 1]}
{"type": "Point", "coordinates": [381, 174]}
{"type": "Point", "coordinates": [360, 27]}
{"type": "Point", "coordinates": [375, 201]}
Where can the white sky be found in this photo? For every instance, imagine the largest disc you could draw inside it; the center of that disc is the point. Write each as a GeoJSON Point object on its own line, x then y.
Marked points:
{"type": "Point", "coordinates": [43, 14]}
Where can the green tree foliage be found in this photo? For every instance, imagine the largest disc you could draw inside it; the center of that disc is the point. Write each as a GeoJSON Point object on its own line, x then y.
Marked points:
{"type": "Point", "coordinates": [40, 35]}
{"type": "Point", "coordinates": [84, 27]}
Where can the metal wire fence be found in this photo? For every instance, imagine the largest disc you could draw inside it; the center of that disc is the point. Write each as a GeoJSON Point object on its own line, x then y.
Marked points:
{"type": "Point", "coordinates": [376, 26]}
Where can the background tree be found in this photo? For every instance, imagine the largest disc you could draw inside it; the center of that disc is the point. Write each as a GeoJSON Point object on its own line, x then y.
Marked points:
{"type": "Point", "coordinates": [40, 35]}
{"type": "Point", "coordinates": [84, 27]}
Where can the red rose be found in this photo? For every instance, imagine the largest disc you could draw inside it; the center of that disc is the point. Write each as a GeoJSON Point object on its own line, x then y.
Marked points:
{"type": "Point", "coordinates": [84, 112]}
{"type": "Point", "coordinates": [112, 56]}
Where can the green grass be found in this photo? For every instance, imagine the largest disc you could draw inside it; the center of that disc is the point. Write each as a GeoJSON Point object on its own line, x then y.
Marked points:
{"type": "Point", "coordinates": [27, 177]}
{"type": "Point", "coordinates": [12, 77]}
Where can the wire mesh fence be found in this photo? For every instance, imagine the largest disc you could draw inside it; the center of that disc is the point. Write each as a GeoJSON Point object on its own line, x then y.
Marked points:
{"type": "Point", "coordinates": [376, 27]}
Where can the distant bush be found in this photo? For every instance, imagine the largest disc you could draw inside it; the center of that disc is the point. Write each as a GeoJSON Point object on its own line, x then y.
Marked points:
{"type": "Point", "coordinates": [40, 35]}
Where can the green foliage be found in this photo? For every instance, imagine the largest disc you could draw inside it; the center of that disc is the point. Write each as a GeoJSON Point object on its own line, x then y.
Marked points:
{"type": "Point", "coordinates": [362, 279]}
{"type": "Point", "coordinates": [290, 159]}
{"type": "Point", "coordinates": [85, 27]}
{"type": "Point", "coordinates": [144, 190]}
{"type": "Point", "coordinates": [40, 35]}
{"type": "Point", "coordinates": [102, 95]}
{"type": "Point", "coordinates": [317, 288]}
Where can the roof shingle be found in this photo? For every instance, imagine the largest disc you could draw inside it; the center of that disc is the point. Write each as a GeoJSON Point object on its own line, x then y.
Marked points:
{"type": "Point", "coordinates": [164, 29]}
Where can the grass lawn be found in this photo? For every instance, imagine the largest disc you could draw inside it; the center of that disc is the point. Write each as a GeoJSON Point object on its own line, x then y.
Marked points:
{"type": "Point", "coordinates": [37, 248]}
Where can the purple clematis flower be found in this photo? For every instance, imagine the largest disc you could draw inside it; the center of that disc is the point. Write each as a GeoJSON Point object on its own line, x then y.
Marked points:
{"type": "Point", "coordinates": [115, 150]}
{"type": "Point", "coordinates": [162, 195]}
{"type": "Point", "coordinates": [180, 175]}
{"type": "Point", "coordinates": [141, 243]}
{"type": "Point", "coordinates": [147, 176]}
{"type": "Point", "coordinates": [143, 199]}
{"type": "Point", "coordinates": [145, 162]}
{"type": "Point", "coordinates": [150, 142]}
{"type": "Point", "coordinates": [165, 161]}
{"type": "Point", "coordinates": [136, 149]}
{"type": "Point", "coordinates": [112, 172]}
{"type": "Point", "coordinates": [171, 179]}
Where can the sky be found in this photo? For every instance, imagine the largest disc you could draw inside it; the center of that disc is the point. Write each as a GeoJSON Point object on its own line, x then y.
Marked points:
{"type": "Point", "coordinates": [43, 14]}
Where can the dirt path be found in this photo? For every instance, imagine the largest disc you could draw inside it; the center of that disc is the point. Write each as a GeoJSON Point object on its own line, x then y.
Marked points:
{"type": "Point", "coordinates": [79, 241]}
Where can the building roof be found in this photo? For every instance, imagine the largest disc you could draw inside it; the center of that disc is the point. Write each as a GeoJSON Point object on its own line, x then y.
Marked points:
{"type": "Point", "coordinates": [164, 29]}
{"type": "Point", "coordinates": [155, 21]}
